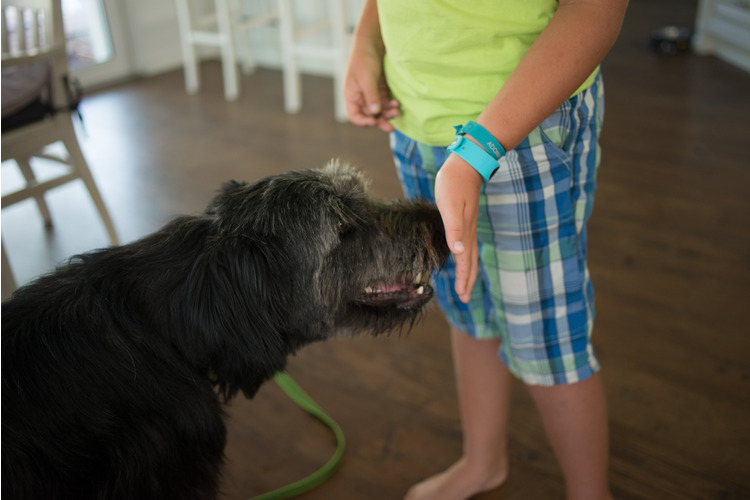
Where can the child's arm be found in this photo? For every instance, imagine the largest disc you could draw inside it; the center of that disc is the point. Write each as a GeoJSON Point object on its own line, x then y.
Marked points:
{"type": "Point", "coordinates": [366, 94]}
{"type": "Point", "coordinates": [569, 49]}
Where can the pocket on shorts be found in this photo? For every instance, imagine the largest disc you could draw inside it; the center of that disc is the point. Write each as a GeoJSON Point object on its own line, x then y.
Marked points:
{"type": "Point", "coordinates": [531, 215]}
{"type": "Point", "coordinates": [557, 130]}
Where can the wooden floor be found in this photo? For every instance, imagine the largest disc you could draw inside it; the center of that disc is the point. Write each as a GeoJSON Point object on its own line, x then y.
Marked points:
{"type": "Point", "coordinates": [669, 254]}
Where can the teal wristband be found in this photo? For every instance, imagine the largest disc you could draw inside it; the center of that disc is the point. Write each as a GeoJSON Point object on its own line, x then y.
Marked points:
{"type": "Point", "coordinates": [479, 159]}
{"type": "Point", "coordinates": [484, 138]}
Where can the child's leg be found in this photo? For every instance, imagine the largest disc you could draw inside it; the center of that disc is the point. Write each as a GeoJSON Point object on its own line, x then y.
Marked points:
{"type": "Point", "coordinates": [484, 384]}
{"type": "Point", "coordinates": [575, 418]}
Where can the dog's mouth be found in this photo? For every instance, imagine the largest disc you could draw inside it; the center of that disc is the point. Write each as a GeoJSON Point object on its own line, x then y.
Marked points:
{"type": "Point", "coordinates": [405, 293]}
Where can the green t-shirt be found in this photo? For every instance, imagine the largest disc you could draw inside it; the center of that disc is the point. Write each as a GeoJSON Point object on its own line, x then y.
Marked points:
{"type": "Point", "coordinates": [446, 59]}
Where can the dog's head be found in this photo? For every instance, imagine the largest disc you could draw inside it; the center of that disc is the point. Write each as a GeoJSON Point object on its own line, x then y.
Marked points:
{"type": "Point", "coordinates": [338, 259]}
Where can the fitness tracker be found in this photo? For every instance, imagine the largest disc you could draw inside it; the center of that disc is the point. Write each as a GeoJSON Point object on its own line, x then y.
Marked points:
{"type": "Point", "coordinates": [484, 161]}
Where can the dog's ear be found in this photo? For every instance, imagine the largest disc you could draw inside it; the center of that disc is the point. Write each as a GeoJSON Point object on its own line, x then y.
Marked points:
{"type": "Point", "coordinates": [227, 189]}
{"type": "Point", "coordinates": [232, 185]}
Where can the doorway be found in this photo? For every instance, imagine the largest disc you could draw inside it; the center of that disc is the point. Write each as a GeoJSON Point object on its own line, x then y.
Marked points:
{"type": "Point", "coordinates": [96, 41]}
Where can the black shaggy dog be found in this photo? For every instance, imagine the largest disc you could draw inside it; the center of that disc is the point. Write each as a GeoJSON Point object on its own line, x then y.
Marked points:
{"type": "Point", "coordinates": [106, 362]}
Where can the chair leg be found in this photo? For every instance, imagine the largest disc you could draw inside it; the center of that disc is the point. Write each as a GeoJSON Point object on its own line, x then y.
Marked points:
{"type": "Point", "coordinates": [8, 281]}
{"type": "Point", "coordinates": [244, 47]}
{"type": "Point", "coordinates": [337, 10]}
{"type": "Point", "coordinates": [189, 58]}
{"type": "Point", "coordinates": [25, 166]}
{"type": "Point", "coordinates": [245, 54]}
{"type": "Point", "coordinates": [292, 91]}
{"type": "Point", "coordinates": [228, 55]}
{"type": "Point", "coordinates": [78, 162]}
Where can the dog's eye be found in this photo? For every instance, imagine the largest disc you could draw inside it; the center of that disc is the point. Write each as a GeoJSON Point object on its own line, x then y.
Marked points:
{"type": "Point", "coordinates": [342, 226]}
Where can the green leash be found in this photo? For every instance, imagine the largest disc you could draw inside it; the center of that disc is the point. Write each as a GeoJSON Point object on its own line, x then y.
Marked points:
{"type": "Point", "coordinates": [304, 401]}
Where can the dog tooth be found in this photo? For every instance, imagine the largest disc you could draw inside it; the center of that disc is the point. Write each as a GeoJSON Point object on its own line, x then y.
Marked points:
{"type": "Point", "coordinates": [418, 278]}
{"type": "Point", "coordinates": [420, 290]}
{"type": "Point", "coordinates": [368, 289]}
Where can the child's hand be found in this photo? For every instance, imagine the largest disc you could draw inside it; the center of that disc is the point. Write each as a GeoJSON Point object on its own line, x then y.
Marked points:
{"type": "Point", "coordinates": [367, 97]}
{"type": "Point", "coordinates": [457, 187]}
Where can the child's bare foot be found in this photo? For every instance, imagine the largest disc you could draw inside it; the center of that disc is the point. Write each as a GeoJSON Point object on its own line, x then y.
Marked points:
{"type": "Point", "coordinates": [459, 482]}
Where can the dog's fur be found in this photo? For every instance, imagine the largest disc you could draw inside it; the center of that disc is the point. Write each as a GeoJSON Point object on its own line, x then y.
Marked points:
{"type": "Point", "coordinates": [106, 362]}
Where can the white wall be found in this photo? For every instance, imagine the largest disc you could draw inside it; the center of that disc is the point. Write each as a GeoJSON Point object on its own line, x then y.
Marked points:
{"type": "Point", "coordinates": [153, 35]}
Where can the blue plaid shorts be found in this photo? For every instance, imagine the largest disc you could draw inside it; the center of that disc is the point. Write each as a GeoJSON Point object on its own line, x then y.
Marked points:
{"type": "Point", "coordinates": [533, 290]}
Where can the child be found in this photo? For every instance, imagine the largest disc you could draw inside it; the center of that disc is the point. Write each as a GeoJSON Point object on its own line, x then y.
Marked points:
{"type": "Point", "coordinates": [515, 190]}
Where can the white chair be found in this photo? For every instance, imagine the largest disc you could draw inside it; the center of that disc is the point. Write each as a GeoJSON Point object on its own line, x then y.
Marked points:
{"type": "Point", "coordinates": [216, 29]}
{"type": "Point", "coordinates": [227, 20]}
{"type": "Point", "coordinates": [36, 108]}
{"type": "Point", "coordinates": [295, 41]}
